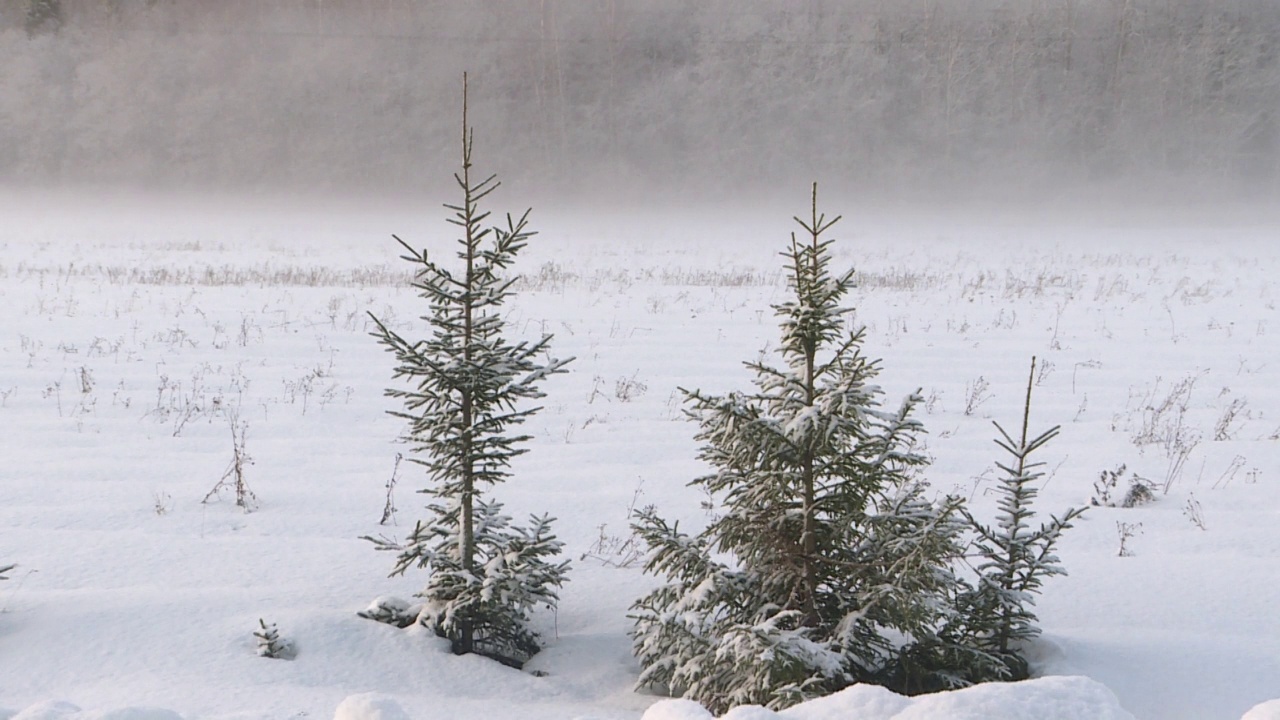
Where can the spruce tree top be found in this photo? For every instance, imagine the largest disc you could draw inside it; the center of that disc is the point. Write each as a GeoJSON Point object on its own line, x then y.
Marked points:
{"type": "Point", "coordinates": [808, 455]}
{"type": "Point", "coordinates": [467, 377]}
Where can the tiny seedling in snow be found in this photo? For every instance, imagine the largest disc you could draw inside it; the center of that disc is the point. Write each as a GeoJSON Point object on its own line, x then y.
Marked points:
{"type": "Point", "coordinates": [270, 644]}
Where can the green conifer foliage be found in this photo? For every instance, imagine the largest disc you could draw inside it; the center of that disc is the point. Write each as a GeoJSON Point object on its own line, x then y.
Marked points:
{"type": "Point", "coordinates": [1015, 557]}
{"type": "Point", "coordinates": [467, 386]}
{"type": "Point", "coordinates": [836, 565]}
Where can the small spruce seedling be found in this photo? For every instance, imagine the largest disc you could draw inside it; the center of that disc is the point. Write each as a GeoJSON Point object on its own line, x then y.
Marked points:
{"type": "Point", "coordinates": [270, 644]}
{"type": "Point", "coordinates": [1015, 557]}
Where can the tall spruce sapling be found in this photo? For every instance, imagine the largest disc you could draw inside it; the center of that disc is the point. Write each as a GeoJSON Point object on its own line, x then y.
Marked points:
{"type": "Point", "coordinates": [1015, 559]}
{"type": "Point", "coordinates": [835, 565]}
{"type": "Point", "coordinates": [468, 384]}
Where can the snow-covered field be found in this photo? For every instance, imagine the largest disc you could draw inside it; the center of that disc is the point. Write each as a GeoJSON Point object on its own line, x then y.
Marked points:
{"type": "Point", "coordinates": [133, 333]}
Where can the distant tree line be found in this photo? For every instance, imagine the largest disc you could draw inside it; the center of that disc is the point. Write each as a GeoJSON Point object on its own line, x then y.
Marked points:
{"type": "Point", "coordinates": [615, 93]}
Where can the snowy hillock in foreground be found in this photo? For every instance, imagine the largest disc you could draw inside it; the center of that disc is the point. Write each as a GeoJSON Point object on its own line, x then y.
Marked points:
{"type": "Point", "coordinates": [1053, 698]}
{"type": "Point", "coordinates": [1269, 710]}
{"type": "Point", "coordinates": [61, 710]}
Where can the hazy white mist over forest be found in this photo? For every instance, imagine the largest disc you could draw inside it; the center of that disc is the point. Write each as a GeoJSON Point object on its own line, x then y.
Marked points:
{"type": "Point", "coordinates": [1035, 97]}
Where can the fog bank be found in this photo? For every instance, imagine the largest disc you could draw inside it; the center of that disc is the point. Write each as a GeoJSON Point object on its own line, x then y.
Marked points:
{"type": "Point", "coordinates": [975, 98]}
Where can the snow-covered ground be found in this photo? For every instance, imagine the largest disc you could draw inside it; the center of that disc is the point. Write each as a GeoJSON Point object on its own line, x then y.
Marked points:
{"type": "Point", "coordinates": [133, 333]}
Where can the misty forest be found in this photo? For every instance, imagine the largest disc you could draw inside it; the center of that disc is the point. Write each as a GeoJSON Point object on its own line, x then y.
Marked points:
{"type": "Point", "coordinates": [752, 359]}
{"type": "Point", "coordinates": [719, 95]}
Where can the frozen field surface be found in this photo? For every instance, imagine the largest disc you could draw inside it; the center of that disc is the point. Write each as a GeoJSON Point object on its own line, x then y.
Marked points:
{"type": "Point", "coordinates": [133, 334]}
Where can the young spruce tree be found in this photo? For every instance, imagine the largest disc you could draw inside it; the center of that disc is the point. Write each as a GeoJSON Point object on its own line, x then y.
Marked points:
{"type": "Point", "coordinates": [1015, 559]}
{"type": "Point", "coordinates": [836, 564]}
{"type": "Point", "coordinates": [467, 386]}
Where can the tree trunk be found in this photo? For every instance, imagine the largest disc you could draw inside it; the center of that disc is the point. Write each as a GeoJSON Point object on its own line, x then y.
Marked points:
{"type": "Point", "coordinates": [808, 532]}
{"type": "Point", "coordinates": [467, 538]}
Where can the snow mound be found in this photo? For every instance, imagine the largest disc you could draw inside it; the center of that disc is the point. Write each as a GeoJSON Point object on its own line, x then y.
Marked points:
{"type": "Point", "coordinates": [369, 706]}
{"type": "Point", "coordinates": [62, 710]}
{"type": "Point", "coordinates": [676, 710]}
{"type": "Point", "coordinates": [1269, 710]}
{"type": "Point", "coordinates": [1051, 698]}
{"type": "Point", "coordinates": [48, 710]}
{"type": "Point", "coordinates": [860, 701]}
{"type": "Point", "coordinates": [130, 713]}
